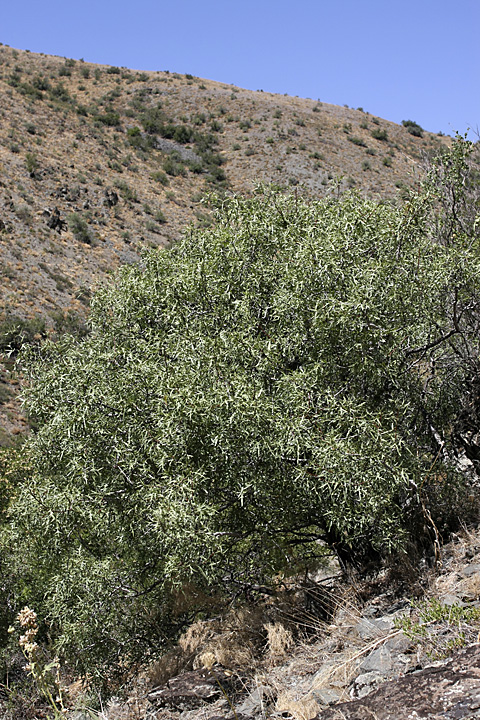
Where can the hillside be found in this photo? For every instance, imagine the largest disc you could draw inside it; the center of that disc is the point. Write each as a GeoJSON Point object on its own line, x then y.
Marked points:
{"type": "Point", "coordinates": [253, 489]}
{"type": "Point", "coordinates": [98, 162]}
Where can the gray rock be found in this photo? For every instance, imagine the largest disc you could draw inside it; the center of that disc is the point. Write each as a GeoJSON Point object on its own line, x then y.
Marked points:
{"type": "Point", "coordinates": [370, 629]}
{"type": "Point", "coordinates": [470, 570]}
{"type": "Point", "coordinates": [255, 701]}
{"type": "Point", "coordinates": [326, 696]}
{"type": "Point", "coordinates": [379, 660]}
{"type": "Point", "coordinates": [450, 600]}
{"type": "Point", "coordinates": [366, 683]}
{"type": "Point", "coordinates": [449, 691]}
{"type": "Point", "coordinates": [399, 644]}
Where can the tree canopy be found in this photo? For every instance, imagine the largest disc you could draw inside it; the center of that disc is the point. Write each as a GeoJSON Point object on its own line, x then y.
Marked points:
{"type": "Point", "coordinates": [282, 385]}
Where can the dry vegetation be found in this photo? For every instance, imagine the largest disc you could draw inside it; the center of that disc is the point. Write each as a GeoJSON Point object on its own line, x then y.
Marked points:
{"type": "Point", "coordinates": [74, 154]}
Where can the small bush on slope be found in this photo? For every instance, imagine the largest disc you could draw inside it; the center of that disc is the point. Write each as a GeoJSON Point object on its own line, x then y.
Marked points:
{"type": "Point", "coordinates": [279, 385]}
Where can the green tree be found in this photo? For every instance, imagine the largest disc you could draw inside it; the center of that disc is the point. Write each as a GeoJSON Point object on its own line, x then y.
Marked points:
{"type": "Point", "coordinates": [276, 387]}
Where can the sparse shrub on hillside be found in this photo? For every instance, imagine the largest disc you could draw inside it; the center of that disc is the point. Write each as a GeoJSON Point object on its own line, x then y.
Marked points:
{"type": "Point", "coordinates": [379, 134]}
{"type": "Point", "coordinates": [41, 83]}
{"type": "Point", "coordinates": [159, 216]}
{"type": "Point", "coordinates": [174, 167]}
{"type": "Point", "coordinates": [16, 331]}
{"type": "Point", "coordinates": [161, 177]}
{"type": "Point", "coordinates": [284, 384]}
{"type": "Point", "coordinates": [59, 92]}
{"type": "Point", "coordinates": [80, 229]}
{"type": "Point", "coordinates": [112, 119]}
{"type": "Point", "coordinates": [199, 119]}
{"type": "Point", "coordinates": [128, 193]}
{"type": "Point", "coordinates": [31, 163]}
{"type": "Point", "coordinates": [357, 141]}
{"type": "Point", "coordinates": [413, 128]}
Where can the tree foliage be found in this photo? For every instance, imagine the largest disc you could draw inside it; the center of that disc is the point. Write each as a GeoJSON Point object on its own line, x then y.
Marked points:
{"type": "Point", "coordinates": [281, 385]}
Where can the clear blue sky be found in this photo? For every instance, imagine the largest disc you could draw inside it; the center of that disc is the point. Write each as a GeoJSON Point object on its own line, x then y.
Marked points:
{"type": "Point", "coordinates": [410, 59]}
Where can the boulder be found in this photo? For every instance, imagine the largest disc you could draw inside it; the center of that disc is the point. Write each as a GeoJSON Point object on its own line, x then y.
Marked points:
{"type": "Point", "coordinates": [447, 691]}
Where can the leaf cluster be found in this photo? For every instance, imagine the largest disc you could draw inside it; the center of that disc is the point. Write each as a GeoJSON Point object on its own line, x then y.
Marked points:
{"type": "Point", "coordinates": [277, 387]}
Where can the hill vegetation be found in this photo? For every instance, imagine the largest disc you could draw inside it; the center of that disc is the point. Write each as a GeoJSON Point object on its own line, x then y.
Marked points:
{"type": "Point", "coordinates": [291, 379]}
{"type": "Point", "coordinates": [98, 162]}
{"type": "Point", "coordinates": [298, 380]}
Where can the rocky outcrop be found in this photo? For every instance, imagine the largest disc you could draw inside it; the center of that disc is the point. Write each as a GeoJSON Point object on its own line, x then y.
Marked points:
{"type": "Point", "coordinates": [193, 689]}
{"type": "Point", "coordinates": [448, 690]}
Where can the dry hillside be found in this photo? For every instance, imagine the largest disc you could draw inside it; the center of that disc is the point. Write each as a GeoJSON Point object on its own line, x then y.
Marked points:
{"type": "Point", "coordinates": [98, 162]}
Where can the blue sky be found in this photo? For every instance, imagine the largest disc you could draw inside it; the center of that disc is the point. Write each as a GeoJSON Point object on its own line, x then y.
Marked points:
{"type": "Point", "coordinates": [417, 60]}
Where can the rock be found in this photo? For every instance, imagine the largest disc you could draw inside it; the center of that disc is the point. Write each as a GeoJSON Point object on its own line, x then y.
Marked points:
{"type": "Point", "coordinates": [54, 220]}
{"type": "Point", "coordinates": [399, 644]}
{"type": "Point", "coordinates": [192, 689]}
{"type": "Point", "coordinates": [371, 629]}
{"type": "Point", "coordinates": [366, 683]}
{"type": "Point", "coordinates": [111, 198]}
{"type": "Point", "coordinates": [470, 570]}
{"type": "Point", "coordinates": [379, 660]}
{"type": "Point", "coordinates": [326, 696]}
{"type": "Point", "coordinates": [254, 703]}
{"type": "Point", "coordinates": [448, 691]}
{"type": "Point", "coordinates": [450, 600]}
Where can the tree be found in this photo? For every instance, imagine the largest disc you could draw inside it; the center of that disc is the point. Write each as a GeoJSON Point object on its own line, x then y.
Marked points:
{"type": "Point", "coordinates": [277, 387]}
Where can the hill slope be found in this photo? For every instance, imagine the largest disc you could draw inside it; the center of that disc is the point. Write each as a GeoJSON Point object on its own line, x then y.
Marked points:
{"type": "Point", "coordinates": [97, 162]}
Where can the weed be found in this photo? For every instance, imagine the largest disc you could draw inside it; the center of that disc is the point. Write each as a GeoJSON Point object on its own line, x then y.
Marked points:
{"type": "Point", "coordinates": [441, 629]}
{"type": "Point", "coordinates": [380, 134]}
{"type": "Point", "coordinates": [357, 141]}
{"type": "Point", "coordinates": [31, 163]}
{"type": "Point", "coordinates": [79, 228]}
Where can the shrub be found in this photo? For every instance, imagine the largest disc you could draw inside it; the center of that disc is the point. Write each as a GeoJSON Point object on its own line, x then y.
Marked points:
{"type": "Point", "coordinates": [413, 128]}
{"type": "Point", "coordinates": [16, 331]}
{"type": "Point", "coordinates": [128, 193]}
{"type": "Point", "coordinates": [357, 141]}
{"type": "Point", "coordinates": [112, 119]}
{"type": "Point", "coordinates": [31, 163]}
{"type": "Point", "coordinates": [161, 177]}
{"type": "Point", "coordinates": [173, 167]}
{"type": "Point", "coordinates": [281, 385]}
{"type": "Point", "coordinates": [379, 134]}
{"type": "Point", "coordinates": [79, 228]}
{"type": "Point", "coordinates": [60, 92]}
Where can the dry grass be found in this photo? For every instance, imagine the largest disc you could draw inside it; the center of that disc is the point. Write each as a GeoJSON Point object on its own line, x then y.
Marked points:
{"type": "Point", "coordinates": [304, 708]}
